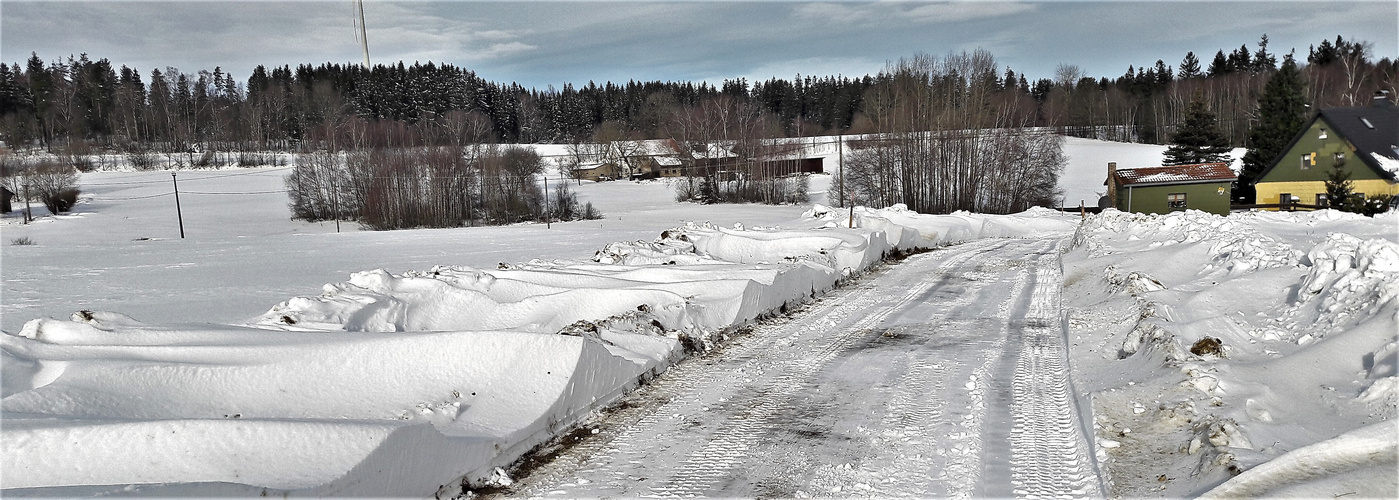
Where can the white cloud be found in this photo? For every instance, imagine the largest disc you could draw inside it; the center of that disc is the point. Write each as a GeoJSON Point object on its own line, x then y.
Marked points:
{"type": "Point", "coordinates": [961, 11]}
{"type": "Point", "coordinates": [866, 14]}
{"type": "Point", "coordinates": [503, 50]}
{"type": "Point", "coordinates": [835, 12]}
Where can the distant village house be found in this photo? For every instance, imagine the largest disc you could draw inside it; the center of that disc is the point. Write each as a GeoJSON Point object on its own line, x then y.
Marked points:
{"type": "Point", "coordinates": [650, 159]}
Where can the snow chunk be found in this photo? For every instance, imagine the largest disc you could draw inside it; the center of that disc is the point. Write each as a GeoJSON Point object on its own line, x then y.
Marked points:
{"type": "Point", "coordinates": [1376, 445]}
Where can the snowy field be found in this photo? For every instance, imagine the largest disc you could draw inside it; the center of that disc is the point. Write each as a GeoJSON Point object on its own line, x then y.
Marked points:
{"type": "Point", "coordinates": [264, 354]}
{"type": "Point", "coordinates": [120, 249]}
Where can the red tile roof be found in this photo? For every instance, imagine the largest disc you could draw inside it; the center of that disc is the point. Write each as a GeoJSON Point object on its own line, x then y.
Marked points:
{"type": "Point", "coordinates": [1176, 174]}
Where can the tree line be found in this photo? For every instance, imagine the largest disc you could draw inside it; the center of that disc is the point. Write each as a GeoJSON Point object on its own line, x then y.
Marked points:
{"type": "Point", "coordinates": [80, 102]}
{"type": "Point", "coordinates": [410, 145]}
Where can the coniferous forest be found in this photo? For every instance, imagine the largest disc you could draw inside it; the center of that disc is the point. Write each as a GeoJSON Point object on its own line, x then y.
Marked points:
{"type": "Point", "coordinates": [58, 103]}
{"type": "Point", "coordinates": [923, 107]}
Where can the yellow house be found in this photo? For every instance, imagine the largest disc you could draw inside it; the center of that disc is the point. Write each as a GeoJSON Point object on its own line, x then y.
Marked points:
{"type": "Point", "coordinates": [1362, 140]}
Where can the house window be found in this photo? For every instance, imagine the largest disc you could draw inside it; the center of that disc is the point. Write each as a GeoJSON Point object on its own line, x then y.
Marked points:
{"type": "Point", "coordinates": [1322, 135]}
{"type": "Point", "coordinates": [1308, 161]}
{"type": "Point", "coordinates": [1321, 200]}
{"type": "Point", "coordinates": [1340, 158]}
{"type": "Point", "coordinates": [1176, 201]}
{"type": "Point", "coordinates": [1285, 198]}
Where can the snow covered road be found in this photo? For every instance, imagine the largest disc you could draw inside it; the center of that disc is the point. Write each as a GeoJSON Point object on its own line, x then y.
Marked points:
{"type": "Point", "coordinates": [945, 375]}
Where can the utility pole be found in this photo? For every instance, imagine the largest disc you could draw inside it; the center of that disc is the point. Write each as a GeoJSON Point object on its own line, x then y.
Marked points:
{"type": "Point", "coordinates": [178, 214]}
{"type": "Point", "coordinates": [840, 158]}
{"type": "Point", "coordinates": [363, 37]}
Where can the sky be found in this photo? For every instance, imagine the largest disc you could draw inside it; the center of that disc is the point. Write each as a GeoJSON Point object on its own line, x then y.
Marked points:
{"type": "Point", "coordinates": [539, 44]}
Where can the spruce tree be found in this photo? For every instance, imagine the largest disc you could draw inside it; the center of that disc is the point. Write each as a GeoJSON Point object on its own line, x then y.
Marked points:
{"type": "Point", "coordinates": [1220, 66]}
{"type": "Point", "coordinates": [1262, 60]}
{"type": "Point", "coordinates": [1340, 191]}
{"type": "Point", "coordinates": [1281, 113]}
{"type": "Point", "coordinates": [1189, 67]}
{"type": "Point", "coordinates": [1199, 139]}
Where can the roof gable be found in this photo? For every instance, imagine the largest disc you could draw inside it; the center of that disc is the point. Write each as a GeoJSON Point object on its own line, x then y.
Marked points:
{"type": "Point", "coordinates": [1174, 174]}
{"type": "Point", "coordinates": [1373, 130]}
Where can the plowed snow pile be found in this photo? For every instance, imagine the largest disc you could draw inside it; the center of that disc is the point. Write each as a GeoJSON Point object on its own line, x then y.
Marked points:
{"type": "Point", "coordinates": [1253, 354]}
{"type": "Point", "coordinates": [414, 383]}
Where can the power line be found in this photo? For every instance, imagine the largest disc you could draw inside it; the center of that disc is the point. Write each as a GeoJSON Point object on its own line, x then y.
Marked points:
{"type": "Point", "coordinates": [138, 183]}
{"type": "Point", "coordinates": [247, 192]}
{"type": "Point", "coordinates": [135, 197]}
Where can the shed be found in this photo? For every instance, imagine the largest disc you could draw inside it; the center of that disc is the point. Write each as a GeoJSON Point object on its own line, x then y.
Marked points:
{"type": "Point", "coordinates": [1170, 188]}
{"type": "Point", "coordinates": [5, 196]}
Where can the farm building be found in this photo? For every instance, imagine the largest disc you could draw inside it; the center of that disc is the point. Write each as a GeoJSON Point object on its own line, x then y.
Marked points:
{"type": "Point", "coordinates": [1164, 189]}
{"type": "Point", "coordinates": [605, 171]}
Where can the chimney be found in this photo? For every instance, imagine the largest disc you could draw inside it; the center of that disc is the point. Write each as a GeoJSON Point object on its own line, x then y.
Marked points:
{"type": "Point", "coordinates": [1381, 99]}
{"type": "Point", "coordinates": [1112, 184]}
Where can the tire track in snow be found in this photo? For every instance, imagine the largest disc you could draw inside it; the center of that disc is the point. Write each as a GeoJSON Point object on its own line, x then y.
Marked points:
{"type": "Point", "coordinates": [702, 472]}
{"type": "Point", "coordinates": [968, 453]}
{"type": "Point", "coordinates": [625, 453]}
{"type": "Point", "coordinates": [979, 395]}
{"type": "Point", "coordinates": [1049, 455]}
{"type": "Point", "coordinates": [904, 413]}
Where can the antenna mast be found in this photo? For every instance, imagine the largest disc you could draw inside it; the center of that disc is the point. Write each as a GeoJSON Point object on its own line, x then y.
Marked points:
{"type": "Point", "coordinates": [363, 38]}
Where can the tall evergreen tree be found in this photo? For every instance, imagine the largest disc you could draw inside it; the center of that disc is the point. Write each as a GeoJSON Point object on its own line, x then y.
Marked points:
{"type": "Point", "coordinates": [1220, 65]}
{"type": "Point", "coordinates": [1281, 112]}
{"type": "Point", "coordinates": [1262, 60]}
{"type": "Point", "coordinates": [1241, 60]}
{"type": "Point", "coordinates": [1199, 139]}
{"type": "Point", "coordinates": [1189, 67]}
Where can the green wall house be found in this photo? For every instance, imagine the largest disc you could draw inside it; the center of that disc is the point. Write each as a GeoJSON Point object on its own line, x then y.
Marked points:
{"type": "Point", "coordinates": [1161, 190]}
{"type": "Point", "coordinates": [1360, 140]}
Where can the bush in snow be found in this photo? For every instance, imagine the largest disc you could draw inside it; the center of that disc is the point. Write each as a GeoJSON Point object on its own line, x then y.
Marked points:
{"type": "Point", "coordinates": [406, 187]}
{"type": "Point", "coordinates": [141, 159]}
{"type": "Point", "coordinates": [53, 183]}
{"type": "Point", "coordinates": [62, 201]}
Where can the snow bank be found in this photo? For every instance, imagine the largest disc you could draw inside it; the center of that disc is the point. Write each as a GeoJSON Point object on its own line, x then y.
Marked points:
{"type": "Point", "coordinates": [295, 410]}
{"type": "Point", "coordinates": [1371, 447]}
{"type": "Point", "coordinates": [1215, 346]}
{"type": "Point", "coordinates": [407, 384]}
